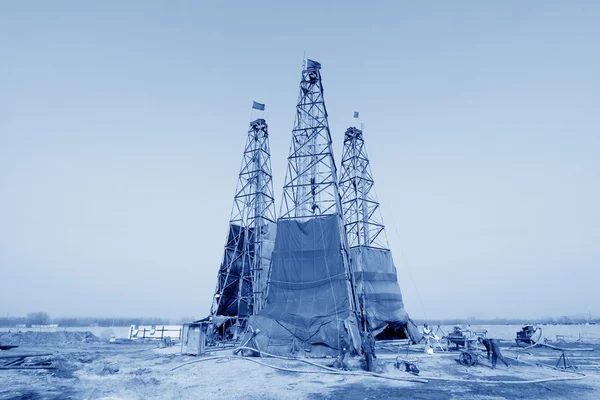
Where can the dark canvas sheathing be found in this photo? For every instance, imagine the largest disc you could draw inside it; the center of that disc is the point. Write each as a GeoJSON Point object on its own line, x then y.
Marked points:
{"type": "Point", "coordinates": [377, 285]}
{"type": "Point", "coordinates": [240, 267]}
{"type": "Point", "coordinates": [309, 299]}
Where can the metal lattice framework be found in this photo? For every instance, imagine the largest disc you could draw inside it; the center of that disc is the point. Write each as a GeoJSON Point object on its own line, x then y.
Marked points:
{"type": "Point", "coordinates": [311, 186]}
{"type": "Point", "coordinates": [362, 217]}
{"type": "Point", "coordinates": [240, 292]}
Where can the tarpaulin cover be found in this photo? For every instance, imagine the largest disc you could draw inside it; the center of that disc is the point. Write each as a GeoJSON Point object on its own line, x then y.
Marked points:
{"type": "Point", "coordinates": [239, 274]}
{"type": "Point", "coordinates": [377, 286]}
{"type": "Point", "coordinates": [268, 233]}
{"type": "Point", "coordinates": [231, 278]}
{"type": "Point", "coordinates": [309, 297]}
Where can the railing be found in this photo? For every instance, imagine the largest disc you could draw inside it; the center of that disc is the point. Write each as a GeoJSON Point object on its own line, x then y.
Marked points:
{"type": "Point", "coordinates": [158, 333]}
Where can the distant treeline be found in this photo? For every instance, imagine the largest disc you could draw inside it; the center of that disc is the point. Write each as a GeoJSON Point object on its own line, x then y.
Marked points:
{"type": "Point", "coordinates": [507, 321]}
{"type": "Point", "coordinates": [42, 318]}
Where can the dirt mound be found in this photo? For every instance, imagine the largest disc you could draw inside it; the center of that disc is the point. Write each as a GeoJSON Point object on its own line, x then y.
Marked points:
{"type": "Point", "coordinates": [52, 338]}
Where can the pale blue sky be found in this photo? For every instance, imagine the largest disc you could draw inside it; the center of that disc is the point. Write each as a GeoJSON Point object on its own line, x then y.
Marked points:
{"type": "Point", "coordinates": [122, 127]}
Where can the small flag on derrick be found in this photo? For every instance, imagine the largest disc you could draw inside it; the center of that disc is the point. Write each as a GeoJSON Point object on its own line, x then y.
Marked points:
{"type": "Point", "coordinates": [258, 106]}
{"type": "Point", "coordinates": [355, 114]}
{"type": "Point", "coordinates": [312, 65]}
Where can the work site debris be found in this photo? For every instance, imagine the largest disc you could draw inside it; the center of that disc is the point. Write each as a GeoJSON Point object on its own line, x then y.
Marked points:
{"type": "Point", "coordinates": [51, 338]}
{"type": "Point", "coordinates": [26, 361]}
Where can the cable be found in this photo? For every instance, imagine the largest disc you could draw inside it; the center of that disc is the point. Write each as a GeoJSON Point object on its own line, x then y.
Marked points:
{"type": "Point", "coordinates": [581, 375]}
{"type": "Point", "coordinates": [403, 256]}
{"type": "Point", "coordinates": [327, 371]}
{"type": "Point", "coordinates": [197, 361]}
{"type": "Point", "coordinates": [424, 379]}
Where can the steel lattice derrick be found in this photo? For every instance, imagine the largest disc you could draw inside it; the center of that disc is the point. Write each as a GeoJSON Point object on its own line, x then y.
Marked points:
{"type": "Point", "coordinates": [311, 186]}
{"type": "Point", "coordinates": [239, 292]}
{"type": "Point", "coordinates": [311, 183]}
{"type": "Point", "coordinates": [362, 217]}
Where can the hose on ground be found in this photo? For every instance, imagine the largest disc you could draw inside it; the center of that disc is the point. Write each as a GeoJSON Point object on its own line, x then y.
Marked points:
{"type": "Point", "coordinates": [327, 370]}
{"type": "Point", "coordinates": [333, 371]}
{"type": "Point", "coordinates": [541, 380]}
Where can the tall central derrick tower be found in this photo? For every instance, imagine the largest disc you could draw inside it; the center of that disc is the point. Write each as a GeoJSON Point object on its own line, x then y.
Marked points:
{"type": "Point", "coordinates": [311, 302]}
{"type": "Point", "coordinates": [380, 299]}
{"type": "Point", "coordinates": [241, 281]}
{"type": "Point", "coordinates": [311, 187]}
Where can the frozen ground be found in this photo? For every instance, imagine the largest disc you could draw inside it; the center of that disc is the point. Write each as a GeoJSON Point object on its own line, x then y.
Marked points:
{"type": "Point", "coordinates": [88, 367]}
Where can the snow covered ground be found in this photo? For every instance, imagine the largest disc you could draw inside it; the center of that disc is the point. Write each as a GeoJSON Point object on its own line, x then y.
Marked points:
{"type": "Point", "coordinates": [88, 367]}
